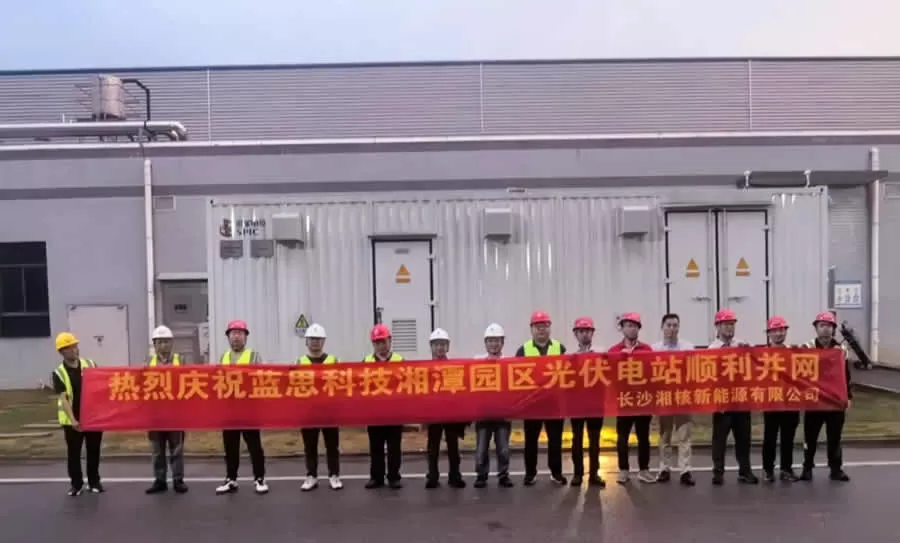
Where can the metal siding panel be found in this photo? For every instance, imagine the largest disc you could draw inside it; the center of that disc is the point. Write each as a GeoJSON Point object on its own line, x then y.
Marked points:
{"type": "Point", "coordinates": [346, 102]}
{"type": "Point", "coordinates": [849, 251]}
{"type": "Point", "coordinates": [616, 97]}
{"type": "Point", "coordinates": [889, 306]}
{"type": "Point", "coordinates": [826, 94]}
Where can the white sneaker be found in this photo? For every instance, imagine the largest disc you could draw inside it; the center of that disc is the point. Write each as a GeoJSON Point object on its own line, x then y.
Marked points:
{"type": "Point", "coordinates": [645, 476]}
{"type": "Point", "coordinates": [623, 477]}
{"type": "Point", "coordinates": [335, 482]}
{"type": "Point", "coordinates": [229, 486]}
{"type": "Point", "coordinates": [309, 484]}
{"type": "Point", "coordinates": [261, 486]}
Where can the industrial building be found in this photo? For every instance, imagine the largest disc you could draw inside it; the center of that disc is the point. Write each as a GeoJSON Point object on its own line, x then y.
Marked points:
{"type": "Point", "coordinates": [451, 195]}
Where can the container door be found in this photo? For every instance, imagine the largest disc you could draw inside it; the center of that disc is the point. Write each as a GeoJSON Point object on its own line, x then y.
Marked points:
{"type": "Point", "coordinates": [102, 332]}
{"type": "Point", "coordinates": [691, 270]}
{"type": "Point", "coordinates": [403, 294]}
{"type": "Point", "coordinates": [744, 270]}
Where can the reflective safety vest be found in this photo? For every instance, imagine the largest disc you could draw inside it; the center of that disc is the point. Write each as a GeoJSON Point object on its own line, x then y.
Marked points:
{"type": "Point", "coordinates": [63, 375]}
{"type": "Point", "coordinates": [242, 360]}
{"type": "Point", "coordinates": [394, 358]}
{"type": "Point", "coordinates": [811, 344]}
{"type": "Point", "coordinates": [330, 359]}
{"type": "Point", "coordinates": [176, 360]}
{"type": "Point", "coordinates": [553, 348]}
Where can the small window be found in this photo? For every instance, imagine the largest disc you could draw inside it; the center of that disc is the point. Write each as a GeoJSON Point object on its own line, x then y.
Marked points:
{"type": "Point", "coordinates": [24, 296]}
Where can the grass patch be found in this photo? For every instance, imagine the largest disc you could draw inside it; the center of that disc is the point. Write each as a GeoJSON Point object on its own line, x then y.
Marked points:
{"type": "Point", "coordinates": [874, 415]}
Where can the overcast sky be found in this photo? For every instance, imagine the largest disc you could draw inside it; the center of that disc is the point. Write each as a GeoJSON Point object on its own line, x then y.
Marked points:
{"type": "Point", "coordinates": [57, 34]}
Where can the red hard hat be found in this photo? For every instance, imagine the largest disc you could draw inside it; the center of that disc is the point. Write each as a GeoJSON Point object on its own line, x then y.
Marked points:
{"type": "Point", "coordinates": [237, 325]}
{"type": "Point", "coordinates": [826, 316]}
{"type": "Point", "coordinates": [583, 323]}
{"type": "Point", "coordinates": [775, 322]}
{"type": "Point", "coordinates": [630, 317]}
{"type": "Point", "coordinates": [380, 331]}
{"type": "Point", "coordinates": [725, 315]}
{"type": "Point", "coordinates": [540, 317]}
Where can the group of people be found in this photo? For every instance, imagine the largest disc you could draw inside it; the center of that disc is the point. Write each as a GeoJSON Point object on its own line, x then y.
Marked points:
{"type": "Point", "coordinates": [385, 441]}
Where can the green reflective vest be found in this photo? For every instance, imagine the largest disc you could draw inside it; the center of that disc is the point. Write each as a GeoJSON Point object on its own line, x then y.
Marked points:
{"type": "Point", "coordinates": [394, 358]}
{"type": "Point", "coordinates": [63, 375]}
{"type": "Point", "coordinates": [304, 360]}
{"type": "Point", "coordinates": [553, 349]}
{"type": "Point", "coordinates": [176, 360]}
{"type": "Point", "coordinates": [242, 360]}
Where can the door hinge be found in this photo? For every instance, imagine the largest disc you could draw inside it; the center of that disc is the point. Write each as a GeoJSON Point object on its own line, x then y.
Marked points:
{"type": "Point", "coordinates": [431, 256]}
{"type": "Point", "coordinates": [432, 303]}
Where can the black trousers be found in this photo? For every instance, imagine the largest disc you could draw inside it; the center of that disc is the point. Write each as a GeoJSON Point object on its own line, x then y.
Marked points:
{"type": "Point", "coordinates": [311, 450]}
{"type": "Point", "coordinates": [554, 428]}
{"type": "Point", "coordinates": [775, 423]}
{"type": "Point", "coordinates": [379, 438]}
{"type": "Point", "coordinates": [594, 425]}
{"type": "Point", "coordinates": [641, 425]}
{"type": "Point", "coordinates": [738, 424]}
{"type": "Point", "coordinates": [833, 421]}
{"type": "Point", "coordinates": [231, 439]}
{"type": "Point", "coordinates": [91, 442]}
{"type": "Point", "coordinates": [451, 432]}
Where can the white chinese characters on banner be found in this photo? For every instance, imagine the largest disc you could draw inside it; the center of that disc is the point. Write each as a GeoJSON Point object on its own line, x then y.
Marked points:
{"type": "Point", "coordinates": [848, 294]}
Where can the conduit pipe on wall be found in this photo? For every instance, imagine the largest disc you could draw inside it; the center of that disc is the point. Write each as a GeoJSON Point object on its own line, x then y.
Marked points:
{"type": "Point", "coordinates": [874, 249]}
{"type": "Point", "coordinates": [172, 129]}
{"type": "Point", "coordinates": [149, 248]}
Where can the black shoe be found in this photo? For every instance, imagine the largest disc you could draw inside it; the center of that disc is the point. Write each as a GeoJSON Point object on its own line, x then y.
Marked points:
{"type": "Point", "coordinates": [179, 487]}
{"type": "Point", "coordinates": [596, 480]}
{"type": "Point", "coordinates": [505, 482]}
{"type": "Point", "coordinates": [806, 474]}
{"type": "Point", "coordinates": [530, 480]}
{"type": "Point", "coordinates": [687, 479]}
{"type": "Point", "coordinates": [480, 483]}
{"type": "Point", "coordinates": [75, 491]}
{"type": "Point", "coordinates": [395, 484]}
{"type": "Point", "coordinates": [748, 478]}
{"type": "Point", "coordinates": [96, 488]}
{"type": "Point", "coordinates": [576, 480]}
{"type": "Point", "coordinates": [768, 476]}
{"type": "Point", "coordinates": [839, 475]}
{"type": "Point", "coordinates": [663, 476]}
{"type": "Point", "coordinates": [559, 479]}
{"type": "Point", "coordinates": [432, 483]}
{"type": "Point", "coordinates": [157, 487]}
{"type": "Point", "coordinates": [718, 479]}
{"type": "Point", "coordinates": [375, 483]}
{"type": "Point", "coordinates": [788, 476]}
{"type": "Point", "coordinates": [456, 482]}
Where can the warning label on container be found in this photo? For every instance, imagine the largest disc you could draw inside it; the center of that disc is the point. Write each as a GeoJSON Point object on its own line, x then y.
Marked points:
{"type": "Point", "coordinates": [692, 271]}
{"type": "Point", "coordinates": [742, 269]}
{"type": "Point", "coordinates": [301, 325]}
{"type": "Point", "coordinates": [402, 275]}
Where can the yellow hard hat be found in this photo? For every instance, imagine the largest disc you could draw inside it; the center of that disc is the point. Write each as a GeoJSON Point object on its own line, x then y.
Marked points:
{"type": "Point", "coordinates": [65, 339]}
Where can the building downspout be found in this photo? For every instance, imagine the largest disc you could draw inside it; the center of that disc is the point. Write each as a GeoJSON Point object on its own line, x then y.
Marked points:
{"type": "Point", "coordinates": [874, 249]}
{"type": "Point", "coordinates": [149, 248]}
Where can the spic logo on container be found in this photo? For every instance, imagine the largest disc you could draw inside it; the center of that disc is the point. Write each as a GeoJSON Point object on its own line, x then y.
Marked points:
{"type": "Point", "coordinates": [241, 228]}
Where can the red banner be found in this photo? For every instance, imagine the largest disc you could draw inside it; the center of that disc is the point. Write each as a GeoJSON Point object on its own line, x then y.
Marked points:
{"type": "Point", "coordinates": [357, 394]}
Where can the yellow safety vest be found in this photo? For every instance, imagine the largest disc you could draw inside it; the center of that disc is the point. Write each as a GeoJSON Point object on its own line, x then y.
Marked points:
{"type": "Point", "coordinates": [63, 375]}
{"type": "Point", "coordinates": [553, 348]}
{"type": "Point", "coordinates": [304, 360]}
{"type": "Point", "coordinates": [176, 360]}
{"type": "Point", "coordinates": [394, 358]}
{"type": "Point", "coordinates": [242, 360]}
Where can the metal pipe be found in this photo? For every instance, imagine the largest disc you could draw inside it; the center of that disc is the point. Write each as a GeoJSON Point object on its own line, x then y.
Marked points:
{"type": "Point", "coordinates": [874, 250]}
{"type": "Point", "coordinates": [146, 90]}
{"type": "Point", "coordinates": [149, 249]}
{"type": "Point", "coordinates": [173, 129]}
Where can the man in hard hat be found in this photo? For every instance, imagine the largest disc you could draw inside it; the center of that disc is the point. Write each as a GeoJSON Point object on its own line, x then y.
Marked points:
{"type": "Point", "coordinates": [67, 385]}
{"type": "Point", "coordinates": [825, 324]}
{"type": "Point", "coordinates": [737, 423]}
{"type": "Point", "coordinates": [315, 354]}
{"type": "Point", "coordinates": [389, 436]}
{"type": "Point", "coordinates": [171, 439]}
{"type": "Point", "coordinates": [451, 431]}
{"type": "Point", "coordinates": [679, 425]}
{"type": "Point", "coordinates": [239, 354]}
{"type": "Point", "coordinates": [630, 325]}
{"type": "Point", "coordinates": [779, 422]}
{"type": "Point", "coordinates": [583, 329]}
{"type": "Point", "coordinates": [541, 344]}
{"type": "Point", "coordinates": [494, 338]}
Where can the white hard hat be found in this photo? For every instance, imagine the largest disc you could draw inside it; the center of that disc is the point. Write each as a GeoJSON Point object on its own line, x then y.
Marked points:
{"type": "Point", "coordinates": [439, 334]}
{"type": "Point", "coordinates": [315, 331]}
{"type": "Point", "coordinates": [494, 330]}
{"type": "Point", "coordinates": [162, 332]}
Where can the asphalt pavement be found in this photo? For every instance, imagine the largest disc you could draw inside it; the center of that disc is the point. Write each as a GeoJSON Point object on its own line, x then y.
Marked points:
{"type": "Point", "coordinates": [37, 509]}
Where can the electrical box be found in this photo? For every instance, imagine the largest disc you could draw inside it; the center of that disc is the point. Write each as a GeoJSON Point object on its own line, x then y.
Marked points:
{"type": "Point", "coordinates": [634, 221]}
{"type": "Point", "coordinates": [289, 228]}
{"type": "Point", "coordinates": [498, 224]}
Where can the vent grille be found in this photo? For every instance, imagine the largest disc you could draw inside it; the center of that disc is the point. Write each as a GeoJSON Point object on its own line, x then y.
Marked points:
{"type": "Point", "coordinates": [892, 191]}
{"type": "Point", "coordinates": [164, 203]}
{"type": "Point", "coordinates": [405, 334]}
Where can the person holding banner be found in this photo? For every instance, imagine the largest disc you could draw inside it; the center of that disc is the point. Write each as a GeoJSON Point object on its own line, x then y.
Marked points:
{"type": "Point", "coordinates": [494, 338]}
{"type": "Point", "coordinates": [238, 354]}
{"type": "Point", "coordinates": [452, 432]}
{"type": "Point", "coordinates": [541, 344]}
{"type": "Point", "coordinates": [67, 384]}
{"type": "Point", "coordinates": [390, 436]}
{"type": "Point", "coordinates": [630, 324]}
{"type": "Point", "coordinates": [315, 354]}
{"type": "Point", "coordinates": [779, 422]}
{"type": "Point", "coordinates": [737, 423]}
{"type": "Point", "coordinates": [584, 334]}
{"type": "Point", "coordinates": [825, 324]}
{"type": "Point", "coordinates": [172, 440]}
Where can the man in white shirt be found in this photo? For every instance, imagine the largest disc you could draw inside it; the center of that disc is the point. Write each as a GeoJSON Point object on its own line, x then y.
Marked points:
{"type": "Point", "coordinates": [680, 425]}
{"type": "Point", "coordinates": [494, 339]}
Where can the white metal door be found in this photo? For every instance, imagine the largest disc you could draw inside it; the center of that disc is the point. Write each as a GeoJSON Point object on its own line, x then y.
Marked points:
{"type": "Point", "coordinates": [744, 263]}
{"type": "Point", "coordinates": [102, 332]}
{"type": "Point", "coordinates": [403, 294]}
{"type": "Point", "coordinates": [691, 268]}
